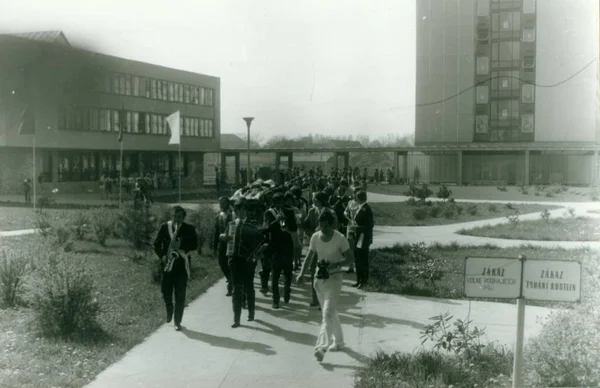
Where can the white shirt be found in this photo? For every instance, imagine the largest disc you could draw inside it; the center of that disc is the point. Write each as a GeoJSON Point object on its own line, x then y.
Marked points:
{"type": "Point", "coordinates": [332, 250]}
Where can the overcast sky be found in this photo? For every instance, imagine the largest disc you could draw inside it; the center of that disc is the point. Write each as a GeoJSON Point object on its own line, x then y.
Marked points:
{"type": "Point", "coordinates": [322, 66]}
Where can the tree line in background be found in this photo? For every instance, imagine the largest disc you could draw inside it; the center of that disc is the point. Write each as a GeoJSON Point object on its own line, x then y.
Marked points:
{"type": "Point", "coordinates": [390, 140]}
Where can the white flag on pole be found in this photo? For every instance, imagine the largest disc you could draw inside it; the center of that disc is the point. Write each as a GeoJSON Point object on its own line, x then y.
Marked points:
{"type": "Point", "coordinates": [174, 121]}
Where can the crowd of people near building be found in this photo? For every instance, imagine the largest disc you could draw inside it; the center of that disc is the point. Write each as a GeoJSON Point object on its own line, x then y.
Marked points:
{"type": "Point", "coordinates": [261, 230]}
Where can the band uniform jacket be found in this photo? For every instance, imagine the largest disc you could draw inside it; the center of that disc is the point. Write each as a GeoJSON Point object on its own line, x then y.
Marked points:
{"type": "Point", "coordinates": [365, 223]}
{"type": "Point", "coordinates": [186, 235]}
{"type": "Point", "coordinates": [278, 237]}
{"type": "Point", "coordinates": [338, 205]}
{"type": "Point", "coordinates": [222, 221]}
{"type": "Point", "coordinates": [311, 222]}
{"type": "Point", "coordinates": [247, 239]}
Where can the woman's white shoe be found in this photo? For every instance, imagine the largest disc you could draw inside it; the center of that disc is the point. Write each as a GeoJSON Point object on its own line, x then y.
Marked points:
{"type": "Point", "coordinates": [336, 347]}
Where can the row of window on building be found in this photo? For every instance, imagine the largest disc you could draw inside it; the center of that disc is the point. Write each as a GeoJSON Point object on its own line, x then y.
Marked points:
{"type": "Point", "coordinates": [485, 6]}
{"type": "Point", "coordinates": [503, 87]}
{"type": "Point", "coordinates": [504, 114]}
{"type": "Point", "coordinates": [110, 120]}
{"type": "Point", "coordinates": [132, 85]}
{"type": "Point", "coordinates": [504, 54]}
{"type": "Point", "coordinates": [76, 166]}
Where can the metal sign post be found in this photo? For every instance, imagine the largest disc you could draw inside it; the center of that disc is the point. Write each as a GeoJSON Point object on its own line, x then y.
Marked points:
{"type": "Point", "coordinates": [522, 279]}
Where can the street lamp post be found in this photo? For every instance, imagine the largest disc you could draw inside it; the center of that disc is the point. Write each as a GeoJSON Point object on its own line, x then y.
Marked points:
{"type": "Point", "coordinates": [248, 121]}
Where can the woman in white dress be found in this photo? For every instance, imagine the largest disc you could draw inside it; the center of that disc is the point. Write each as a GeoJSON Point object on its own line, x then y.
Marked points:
{"type": "Point", "coordinates": [333, 253]}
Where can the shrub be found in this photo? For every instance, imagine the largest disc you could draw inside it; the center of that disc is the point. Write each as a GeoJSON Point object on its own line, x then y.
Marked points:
{"type": "Point", "coordinates": [61, 236]}
{"type": "Point", "coordinates": [423, 266]}
{"type": "Point", "coordinates": [450, 211]}
{"type": "Point", "coordinates": [454, 246]}
{"type": "Point", "coordinates": [424, 192]}
{"type": "Point", "coordinates": [61, 295]}
{"type": "Point", "coordinates": [459, 209]}
{"type": "Point", "coordinates": [13, 269]}
{"type": "Point", "coordinates": [79, 224]}
{"type": "Point", "coordinates": [492, 208]}
{"type": "Point", "coordinates": [444, 193]}
{"type": "Point", "coordinates": [103, 224]}
{"type": "Point", "coordinates": [420, 213]}
{"type": "Point", "coordinates": [570, 212]}
{"type": "Point", "coordinates": [514, 219]}
{"type": "Point", "coordinates": [411, 201]}
{"type": "Point", "coordinates": [137, 226]}
{"type": "Point", "coordinates": [430, 368]}
{"type": "Point", "coordinates": [549, 194]}
{"type": "Point", "coordinates": [545, 215]}
{"type": "Point", "coordinates": [463, 341]}
{"type": "Point", "coordinates": [501, 188]}
{"type": "Point", "coordinates": [412, 191]}
{"type": "Point", "coordinates": [43, 225]}
{"type": "Point", "coordinates": [434, 211]}
{"type": "Point", "coordinates": [472, 209]}
{"type": "Point", "coordinates": [565, 353]}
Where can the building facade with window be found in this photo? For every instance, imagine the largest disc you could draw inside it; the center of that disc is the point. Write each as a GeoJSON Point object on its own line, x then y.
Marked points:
{"type": "Point", "coordinates": [80, 101]}
{"type": "Point", "coordinates": [509, 72]}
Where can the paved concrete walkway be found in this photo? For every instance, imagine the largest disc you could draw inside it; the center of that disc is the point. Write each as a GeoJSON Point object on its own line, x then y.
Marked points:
{"type": "Point", "coordinates": [277, 349]}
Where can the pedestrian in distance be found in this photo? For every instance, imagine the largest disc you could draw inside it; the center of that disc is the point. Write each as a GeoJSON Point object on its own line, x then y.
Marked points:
{"type": "Point", "coordinates": [219, 247]}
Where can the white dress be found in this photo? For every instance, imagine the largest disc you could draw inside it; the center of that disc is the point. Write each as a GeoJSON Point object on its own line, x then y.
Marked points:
{"type": "Point", "coordinates": [328, 290]}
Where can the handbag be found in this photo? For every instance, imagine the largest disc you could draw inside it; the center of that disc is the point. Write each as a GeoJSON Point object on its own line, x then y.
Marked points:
{"type": "Point", "coordinates": [322, 270]}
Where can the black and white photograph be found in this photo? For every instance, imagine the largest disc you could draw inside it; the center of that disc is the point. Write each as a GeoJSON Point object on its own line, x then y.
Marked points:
{"type": "Point", "coordinates": [299, 194]}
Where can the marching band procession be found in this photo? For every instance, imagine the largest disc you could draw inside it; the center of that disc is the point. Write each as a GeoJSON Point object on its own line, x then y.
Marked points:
{"type": "Point", "coordinates": [262, 228]}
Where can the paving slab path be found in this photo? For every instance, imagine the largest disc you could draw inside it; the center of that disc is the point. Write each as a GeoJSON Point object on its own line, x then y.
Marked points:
{"type": "Point", "coordinates": [277, 348]}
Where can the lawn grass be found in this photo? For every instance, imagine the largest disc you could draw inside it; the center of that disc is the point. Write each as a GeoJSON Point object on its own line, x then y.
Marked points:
{"type": "Point", "coordinates": [559, 229]}
{"type": "Point", "coordinates": [389, 270]}
{"type": "Point", "coordinates": [401, 213]}
{"type": "Point", "coordinates": [512, 193]}
{"type": "Point", "coordinates": [132, 308]}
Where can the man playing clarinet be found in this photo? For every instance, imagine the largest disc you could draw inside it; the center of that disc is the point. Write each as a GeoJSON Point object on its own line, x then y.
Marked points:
{"type": "Point", "coordinates": [175, 241]}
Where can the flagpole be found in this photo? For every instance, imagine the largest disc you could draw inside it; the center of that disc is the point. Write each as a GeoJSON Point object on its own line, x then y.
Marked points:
{"type": "Point", "coordinates": [34, 196]}
{"type": "Point", "coordinates": [179, 171]}
{"type": "Point", "coordinates": [120, 172]}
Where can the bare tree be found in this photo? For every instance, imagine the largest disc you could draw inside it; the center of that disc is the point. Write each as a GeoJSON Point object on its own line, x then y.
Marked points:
{"type": "Point", "coordinates": [255, 139]}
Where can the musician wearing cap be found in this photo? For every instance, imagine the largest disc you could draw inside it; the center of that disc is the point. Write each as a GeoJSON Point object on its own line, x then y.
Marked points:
{"type": "Point", "coordinates": [175, 241]}
{"type": "Point", "coordinates": [219, 247]}
{"type": "Point", "coordinates": [245, 241]}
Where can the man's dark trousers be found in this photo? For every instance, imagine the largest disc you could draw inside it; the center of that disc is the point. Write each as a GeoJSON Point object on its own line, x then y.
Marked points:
{"type": "Point", "coordinates": [267, 266]}
{"type": "Point", "coordinates": [313, 272]}
{"type": "Point", "coordinates": [242, 277]}
{"type": "Point", "coordinates": [362, 264]}
{"type": "Point", "coordinates": [176, 280]}
{"type": "Point", "coordinates": [224, 264]}
{"type": "Point", "coordinates": [283, 262]}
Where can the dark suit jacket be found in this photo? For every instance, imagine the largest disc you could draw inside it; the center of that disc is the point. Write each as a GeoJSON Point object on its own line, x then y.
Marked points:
{"type": "Point", "coordinates": [364, 220]}
{"type": "Point", "coordinates": [187, 236]}
{"type": "Point", "coordinates": [278, 238]}
{"type": "Point", "coordinates": [221, 224]}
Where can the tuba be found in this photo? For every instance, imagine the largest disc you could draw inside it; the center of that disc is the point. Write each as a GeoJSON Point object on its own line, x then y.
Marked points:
{"type": "Point", "coordinates": [172, 254]}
